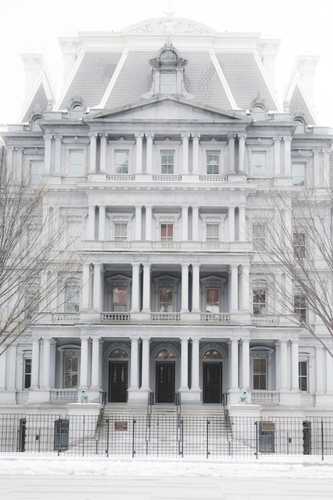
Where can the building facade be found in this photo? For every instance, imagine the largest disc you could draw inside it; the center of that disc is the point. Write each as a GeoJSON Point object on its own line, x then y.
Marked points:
{"type": "Point", "coordinates": [160, 159]}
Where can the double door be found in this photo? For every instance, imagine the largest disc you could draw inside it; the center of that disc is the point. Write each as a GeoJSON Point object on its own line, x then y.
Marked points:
{"type": "Point", "coordinates": [212, 382]}
{"type": "Point", "coordinates": [118, 381]}
{"type": "Point", "coordinates": [165, 381]}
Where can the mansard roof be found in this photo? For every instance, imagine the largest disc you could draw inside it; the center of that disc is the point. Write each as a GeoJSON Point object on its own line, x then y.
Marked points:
{"type": "Point", "coordinates": [40, 99]}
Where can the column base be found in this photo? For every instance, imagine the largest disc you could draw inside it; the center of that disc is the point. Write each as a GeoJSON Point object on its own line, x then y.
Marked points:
{"type": "Point", "coordinates": [290, 398]}
{"type": "Point", "coordinates": [94, 396]}
{"type": "Point", "coordinates": [234, 397]}
{"type": "Point", "coordinates": [138, 395]}
{"type": "Point", "coordinates": [190, 396]}
{"type": "Point", "coordinates": [7, 397]}
{"type": "Point", "coordinates": [39, 396]}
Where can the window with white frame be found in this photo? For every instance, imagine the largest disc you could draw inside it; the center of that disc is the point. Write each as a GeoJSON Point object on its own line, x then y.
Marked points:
{"type": "Point", "coordinates": [167, 161]}
{"type": "Point", "coordinates": [76, 157]}
{"type": "Point", "coordinates": [166, 298]}
{"type": "Point", "coordinates": [71, 365]}
{"type": "Point", "coordinates": [213, 162]}
{"type": "Point", "coordinates": [120, 298]}
{"type": "Point", "coordinates": [298, 174]}
{"type": "Point", "coordinates": [120, 231]}
{"type": "Point", "coordinates": [167, 232]}
{"type": "Point", "coordinates": [303, 375]}
{"type": "Point", "coordinates": [259, 235]}
{"type": "Point", "coordinates": [71, 297]}
{"type": "Point", "coordinates": [27, 364]}
{"type": "Point", "coordinates": [121, 160]}
{"type": "Point", "coordinates": [259, 300]}
{"type": "Point", "coordinates": [260, 373]}
{"type": "Point", "coordinates": [168, 82]}
{"type": "Point", "coordinates": [299, 244]}
{"type": "Point", "coordinates": [212, 231]}
{"type": "Point", "coordinates": [259, 163]}
{"type": "Point", "coordinates": [300, 305]}
{"type": "Point", "coordinates": [213, 299]}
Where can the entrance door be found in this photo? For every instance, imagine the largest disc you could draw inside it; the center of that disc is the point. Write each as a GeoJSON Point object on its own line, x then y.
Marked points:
{"type": "Point", "coordinates": [118, 381]}
{"type": "Point", "coordinates": [165, 382]}
{"type": "Point", "coordinates": [212, 382]}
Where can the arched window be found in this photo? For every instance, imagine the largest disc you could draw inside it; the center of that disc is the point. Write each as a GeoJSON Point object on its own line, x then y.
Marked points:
{"type": "Point", "coordinates": [165, 354]}
{"type": "Point", "coordinates": [71, 296]}
{"type": "Point", "coordinates": [212, 355]}
{"type": "Point", "coordinates": [118, 354]}
{"type": "Point", "coordinates": [71, 364]}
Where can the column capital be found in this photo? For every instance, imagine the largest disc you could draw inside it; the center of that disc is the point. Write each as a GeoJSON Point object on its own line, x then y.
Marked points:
{"type": "Point", "coordinates": [145, 338]}
{"type": "Point", "coordinates": [287, 139]}
{"type": "Point", "coordinates": [195, 135]}
{"type": "Point", "coordinates": [231, 136]}
{"type": "Point", "coordinates": [233, 340]}
{"type": "Point", "coordinates": [149, 134]}
{"type": "Point", "coordinates": [242, 135]}
{"type": "Point", "coordinates": [185, 135]}
{"type": "Point", "coordinates": [139, 135]}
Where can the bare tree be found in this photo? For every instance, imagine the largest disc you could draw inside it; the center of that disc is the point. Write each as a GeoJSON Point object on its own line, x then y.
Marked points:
{"type": "Point", "coordinates": [300, 244]}
{"type": "Point", "coordinates": [30, 246]}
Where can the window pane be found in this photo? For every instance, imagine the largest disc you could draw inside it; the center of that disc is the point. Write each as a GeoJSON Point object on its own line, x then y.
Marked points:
{"type": "Point", "coordinates": [71, 364]}
{"type": "Point", "coordinates": [168, 83]}
{"type": "Point", "coordinates": [121, 161]}
{"type": "Point", "coordinates": [259, 235]}
{"type": "Point", "coordinates": [213, 162]}
{"type": "Point", "coordinates": [260, 373]}
{"type": "Point", "coordinates": [299, 244]}
{"type": "Point", "coordinates": [259, 301]}
{"type": "Point", "coordinates": [120, 296]}
{"type": "Point", "coordinates": [72, 298]}
{"type": "Point", "coordinates": [166, 299]}
{"type": "Point", "coordinates": [36, 171]}
{"type": "Point", "coordinates": [212, 232]}
{"type": "Point", "coordinates": [213, 296]}
{"type": "Point", "coordinates": [298, 174]}
{"type": "Point", "coordinates": [258, 163]}
{"type": "Point", "coordinates": [303, 375]}
{"type": "Point", "coordinates": [76, 162]}
{"type": "Point", "coordinates": [167, 161]}
{"type": "Point", "coordinates": [120, 231]}
{"type": "Point", "coordinates": [166, 231]}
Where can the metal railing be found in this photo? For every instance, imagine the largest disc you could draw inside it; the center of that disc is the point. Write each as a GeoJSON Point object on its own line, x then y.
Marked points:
{"type": "Point", "coordinates": [166, 435]}
{"type": "Point", "coordinates": [64, 395]}
{"type": "Point", "coordinates": [64, 317]}
{"type": "Point", "coordinates": [116, 316]}
{"type": "Point", "coordinates": [167, 178]}
{"type": "Point", "coordinates": [120, 177]}
{"type": "Point", "coordinates": [165, 316]}
{"type": "Point", "coordinates": [215, 317]}
{"type": "Point", "coordinates": [213, 178]}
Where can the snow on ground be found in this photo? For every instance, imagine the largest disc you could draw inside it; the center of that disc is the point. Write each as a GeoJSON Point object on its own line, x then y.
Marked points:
{"type": "Point", "coordinates": [62, 478]}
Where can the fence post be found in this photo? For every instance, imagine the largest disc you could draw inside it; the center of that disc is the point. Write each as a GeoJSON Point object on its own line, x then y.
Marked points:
{"type": "Point", "coordinates": [133, 437]}
{"type": "Point", "coordinates": [322, 438]}
{"type": "Point", "coordinates": [59, 436]}
{"type": "Point", "coordinates": [84, 422]}
{"type": "Point", "coordinates": [207, 438]}
{"type": "Point", "coordinates": [107, 437]}
{"type": "Point", "coordinates": [257, 439]}
{"type": "Point", "coordinates": [181, 441]}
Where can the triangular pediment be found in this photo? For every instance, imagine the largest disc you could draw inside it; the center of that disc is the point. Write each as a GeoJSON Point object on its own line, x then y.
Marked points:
{"type": "Point", "coordinates": [166, 109]}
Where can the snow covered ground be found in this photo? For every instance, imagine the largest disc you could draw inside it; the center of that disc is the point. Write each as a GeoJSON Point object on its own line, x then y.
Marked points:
{"type": "Point", "coordinates": [62, 478]}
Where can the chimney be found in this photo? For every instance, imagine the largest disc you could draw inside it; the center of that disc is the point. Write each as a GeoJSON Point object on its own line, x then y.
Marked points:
{"type": "Point", "coordinates": [33, 67]}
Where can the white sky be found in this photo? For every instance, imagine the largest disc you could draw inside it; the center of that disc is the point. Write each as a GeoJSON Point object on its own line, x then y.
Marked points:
{"type": "Point", "coordinates": [303, 26]}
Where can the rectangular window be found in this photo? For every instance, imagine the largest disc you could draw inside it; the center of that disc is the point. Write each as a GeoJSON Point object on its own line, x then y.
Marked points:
{"type": "Point", "coordinates": [167, 161]}
{"type": "Point", "coordinates": [121, 158]}
{"type": "Point", "coordinates": [120, 298]}
{"type": "Point", "coordinates": [300, 306]}
{"type": "Point", "coordinates": [303, 376]}
{"type": "Point", "coordinates": [120, 231]}
{"type": "Point", "coordinates": [259, 301]}
{"type": "Point", "coordinates": [166, 299]}
{"type": "Point", "coordinates": [213, 162]}
{"type": "Point", "coordinates": [298, 174]}
{"type": "Point", "coordinates": [259, 235]}
{"type": "Point", "coordinates": [168, 83]}
{"type": "Point", "coordinates": [166, 232]}
{"type": "Point", "coordinates": [212, 232]}
{"type": "Point", "coordinates": [36, 172]}
{"type": "Point", "coordinates": [260, 374]}
{"type": "Point", "coordinates": [299, 245]}
{"type": "Point", "coordinates": [71, 368]}
{"type": "Point", "coordinates": [213, 300]}
{"type": "Point", "coordinates": [27, 373]}
{"type": "Point", "coordinates": [76, 162]}
{"type": "Point", "coordinates": [258, 163]}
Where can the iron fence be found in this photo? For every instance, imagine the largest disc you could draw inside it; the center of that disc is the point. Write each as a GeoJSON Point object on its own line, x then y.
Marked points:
{"type": "Point", "coordinates": [164, 435]}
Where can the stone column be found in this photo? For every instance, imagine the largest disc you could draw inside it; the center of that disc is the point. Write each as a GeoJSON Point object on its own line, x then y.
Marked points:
{"type": "Point", "coordinates": [283, 365]}
{"type": "Point", "coordinates": [320, 370]}
{"type": "Point", "coordinates": [146, 288]}
{"type": "Point", "coordinates": [95, 364]}
{"type": "Point", "coordinates": [84, 363]}
{"type": "Point", "coordinates": [241, 153]}
{"type": "Point", "coordinates": [138, 138]}
{"type": "Point", "coordinates": [233, 364]}
{"type": "Point", "coordinates": [234, 288]}
{"type": "Point", "coordinates": [294, 365]}
{"type": "Point", "coordinates": [138, 223]}
{"type": "Point", "coordinates": [3, 371]}
{"type": "Point", "coordinates": [277, 156]}
{"type": "Point", "coordinates": [101, 223]}
{"type": "Point", "coordinates": [195, 223]}
{"type": "Point", "coordinates": [135, 287]}
{"type": "Point", "coordinates": [231, 149]}
{"type": "Point", "coordinates": [245, 364]}
{"type": "Point", "coordinates": [85, 286]}
{"type": "Point", "coordinates": [98, 287]}
{"type": "Point", "coordinates": [195, 386]}
{"type": "Point", "coordinates": [195, 153]}
{"type": "Point", "coordinates": [145, 364]}
{"type": "Point", "coordinates": [149, 151]}
{"type": "Point", "coordinates": [245, 288]}
{"type": "Point", "coordinates": [242, 224]}
{"type": "Point", "coordinates": [185, 139]}
{"type": "Point", "coordinates": [11, 368]}
{"type": "Point", "coordinates": [134, 384]}
{"type": "Point", "coordinates": [231, 223]}
{"type": "Point", "coordinates": [92, 154]}
{"type": "Point", "coordinates": [46, 376]}
{"type": "Point", "coordinates": [316, 168]}
{"type": "Point", "coordinates": [287, 156]}
{"type": "Point", "coordinates": [103, 150]}
{"type": "Point", "coordinates": [184, 365]}
{"type": "Point", "coordinates": [184, 288]}
{"type": "Point", "coordinates": [91, 223]}
{"type": "Point", "coordinates": [196, 288]}
{"type": "Point", "coordinates": [47, 153]}
{"type": "Point", "coordinates": [184, 223]}
{"type": "Point", "coordinates": [57, 157]}
{"type": "Point", "coordinates": [149, 220]}
{"type": "Point", "coordinates": [35, 364]}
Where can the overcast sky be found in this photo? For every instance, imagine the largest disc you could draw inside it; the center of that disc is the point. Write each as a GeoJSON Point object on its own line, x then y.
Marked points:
{"type": "Point", "coordinates": [303, 26]}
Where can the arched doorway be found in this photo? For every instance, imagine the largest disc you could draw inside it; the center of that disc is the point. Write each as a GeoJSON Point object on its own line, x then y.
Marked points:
{"type": "Point", "coordinates": [118, 376]}
{"type": "Point", "coordinates": [212, 376]}
{"type": "Point", "coordinates": [165, 374]}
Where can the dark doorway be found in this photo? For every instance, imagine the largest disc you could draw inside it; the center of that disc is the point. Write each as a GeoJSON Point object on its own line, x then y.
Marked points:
{"type": "Point", "coordinates": [306, 437]}
{"type": "Point", "coordinates": [165, 381]}
{"type": "Point", "coordinates": [212, 382]}
{"type": "Point", "coordinates": [22, 434]}
{"type": "Point", "coordinates": [118, 381]}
